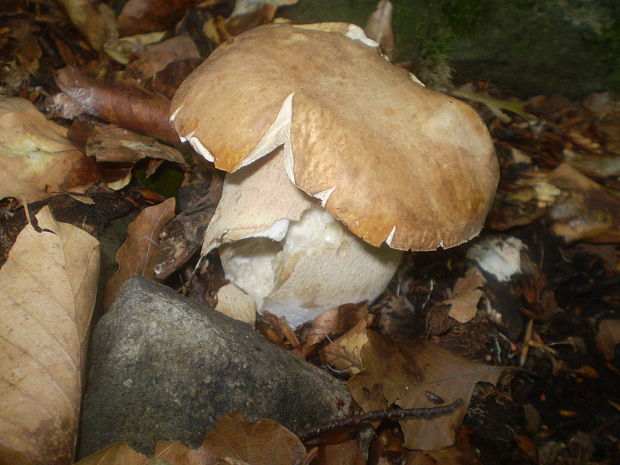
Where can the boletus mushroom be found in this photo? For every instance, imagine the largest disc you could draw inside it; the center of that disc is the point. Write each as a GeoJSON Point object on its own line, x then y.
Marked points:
{"type": "Point", "coordinates": [338, 161]}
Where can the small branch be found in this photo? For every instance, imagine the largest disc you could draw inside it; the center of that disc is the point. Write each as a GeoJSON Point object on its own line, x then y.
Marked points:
{"type": "Point", "coordinates": [378, 415]}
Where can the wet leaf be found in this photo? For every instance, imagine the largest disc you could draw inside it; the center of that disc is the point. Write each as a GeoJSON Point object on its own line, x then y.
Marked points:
{"type": "Point", "coordinates": [138, 254]}
{"type": "Point", "coordinates": [48, 287]}
{"type": "Point", "coordinates": [401, 374]}
{"type": "Point", "coordinates": [497, 106]}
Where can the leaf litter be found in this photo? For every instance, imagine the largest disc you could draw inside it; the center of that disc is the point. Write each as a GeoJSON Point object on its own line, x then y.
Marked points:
{"type": "Point", "coordinates": [557, 196]}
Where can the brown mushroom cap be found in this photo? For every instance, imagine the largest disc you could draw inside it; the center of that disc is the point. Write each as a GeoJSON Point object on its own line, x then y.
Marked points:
{"type": "Point", "coordinates": [395, 161]}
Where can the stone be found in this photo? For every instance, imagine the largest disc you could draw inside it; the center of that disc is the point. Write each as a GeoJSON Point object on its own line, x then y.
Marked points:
{"type": "Point", "coordinates": [167, 368]}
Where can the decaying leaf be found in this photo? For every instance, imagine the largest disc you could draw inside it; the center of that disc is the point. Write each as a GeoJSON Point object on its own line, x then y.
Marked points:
{"type": "Point", "coordinates": [128, 107]}
{"type": "Point", "coordinates": [263, 442]}
{"type": "Point", "coordinates": [140, 16]}
{"type": "Point", "coordinates": [586, 210]}
{"type": "Point", "coordinates": [93, 19]}
{"type": "Point", "coordinates": [116, 145]}
{"type": "Point", "coordinates": [125, 49]}
{"type": "Point", "coordinates": [379, 26]}
{"type": "Point", "coordinates": [48, 287]}
{"type": "Point", "coordinates": [465, 296]}
{"type": "Point", "coordinates": [608, 337]}
{"type": "Point", "coordinates": [156, 57]}
{"type": "Point", "coordinates": [333, 323]}
{"type": "Point", "coordinates": [138, 254]}
{"type": "Point", "coordinates": [345, 353]}
{"type": "Point", "coordinates": [402, 374]}
{"type": "Point", "coordinates": [497, 106]}
{"type": "Point", "coordinates": [36, 158]}
{"type": "Point", "coordinates": [251, 13]}
{"type": "Point", "coordinates": [115, 454]}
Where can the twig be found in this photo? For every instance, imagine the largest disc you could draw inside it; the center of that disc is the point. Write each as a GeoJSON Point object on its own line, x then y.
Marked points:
{"type": "Point", "coordinates": [378, 415]}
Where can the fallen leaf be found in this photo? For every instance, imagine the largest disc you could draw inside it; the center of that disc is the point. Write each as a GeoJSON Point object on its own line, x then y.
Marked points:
{"type": "Point", "coordinates": [93, 19]}
{"type": "Point", "coordinates": [608, 337]}
{"type": "Point", "coordinates": [112, 144]}
{"type": "Point", "coordinates": [345, 453]}
{"type": "Point", "coordinates": [36, 158]}
{"type": "Point", "coordinates": [129, 107]}
{"type": "Point", "coordinates": [263, 442]}
{"type": "Point", "coordinates": [48, 286]}
{"type": "Point", "coordinates": [585, 210]}
{"type": "Point", "coordinates": [497, 106]}
{"type": "Point", "coordinates": [379, 26]}
{"type": "Point", "coordinates": [466, 294]}
{"type": "Point", "coordinates": [462, 453]}
{"type": "Point", "coordinates": [345, 353]}
{"type": "Point", "coordinates": [124, 50]}
{"type": "Point", "coordinates": [138, 16]}
{"type": "Point", "coordinates": [138, 254]}
{"type": "Point", "coordinates": [115, 454]}
{"type": "Point", "coordinates": [401, 374]}
{"type": "Point", "coordinates": [156, 57]}
{"type": "Point", "coordinates": [333, 323]}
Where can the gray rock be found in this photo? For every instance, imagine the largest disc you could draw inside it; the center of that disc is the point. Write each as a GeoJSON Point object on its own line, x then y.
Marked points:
{"type": "Point", "coordinates": [166, 368]}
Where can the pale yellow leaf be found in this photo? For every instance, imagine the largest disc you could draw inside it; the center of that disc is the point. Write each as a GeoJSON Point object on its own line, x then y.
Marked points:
{"type": "Point", "coordinates": [48, 287]}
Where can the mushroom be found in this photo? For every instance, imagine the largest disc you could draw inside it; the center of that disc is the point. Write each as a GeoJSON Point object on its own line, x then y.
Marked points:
{"type": "Point", "coordinates": [338, 161]}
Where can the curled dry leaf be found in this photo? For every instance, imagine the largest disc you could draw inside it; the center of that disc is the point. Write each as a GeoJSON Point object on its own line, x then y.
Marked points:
{"type": "Point", "coordinates": [48, 287]}
{"type": "Point", "coordinates": [138, 254]}
{"type": "Point", "coordinates": [379, 26]}
{"type": "Point", "coordinates": [128, 107]}
{"type": "Point", "coordinates": [140, 16]}
{"type": "Point", "coordinates": [334, 322]}
{"type": "Point", "coordinates": [465, 296]}
{"type": "Point", "coordinates": [36, 158]}
{"type": "Point", "coordinates": [345, 353]}
{"type": "Point", "coordinates": [402, 374]}
{"type": "Point", "coordinates": [116, 145]}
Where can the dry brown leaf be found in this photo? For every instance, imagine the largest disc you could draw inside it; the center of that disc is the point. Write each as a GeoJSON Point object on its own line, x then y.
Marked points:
{"type": "Point", "coordinates": [128, 107]}
{"type": "Point", "coordinates": [138, 254]}
{"type": "Point", "coordinates": [48, 287]}
{"type": "Point", "coordinates": [379, 26]}
{"type": "Point", "coordinates": [344, 453]}
{"type": "Point", "coordinates": [115, 454]}
{"type": "Point", "coordinates": [608, 337]}
{"type": "Point", "coordinates": [263, 442]}
{"type": "Point", "coordinates": [158, 56]}
{"type": "Point", "coordinates": [36, 158]}
{"type": "Point", "coordinates": [116, 145]}
{"type": "Point", "coordinates": [175, 453]}
{"type": "Point", "coordinates": [140, 16]}
{"type": "Point", "coordinates": [462, 453]}
{"type": "Point", "coordinates": [93, 19]}
{"type": "Point", "coordinates": [344, 354]}
{"type": "Point", "coordinates": [333, 323]}
{"type": "Point", "coordinates": [402, 374]}
{"type": "Point", "coordinates": [465, 296]}
{"type": "Point", "coordinates": [585, 210]}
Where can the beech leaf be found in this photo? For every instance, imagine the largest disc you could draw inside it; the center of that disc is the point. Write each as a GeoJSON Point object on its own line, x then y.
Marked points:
{"type": "Point", "coordinates": [138, 254]}
{"type": "Point", "coordinates": [48, 287]}
{"type": "Point", "coordinates": [402, 374]}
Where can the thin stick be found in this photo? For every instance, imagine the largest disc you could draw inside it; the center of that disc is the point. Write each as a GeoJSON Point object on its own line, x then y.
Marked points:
{"type": "Point", "coordinates": [378, 415]}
